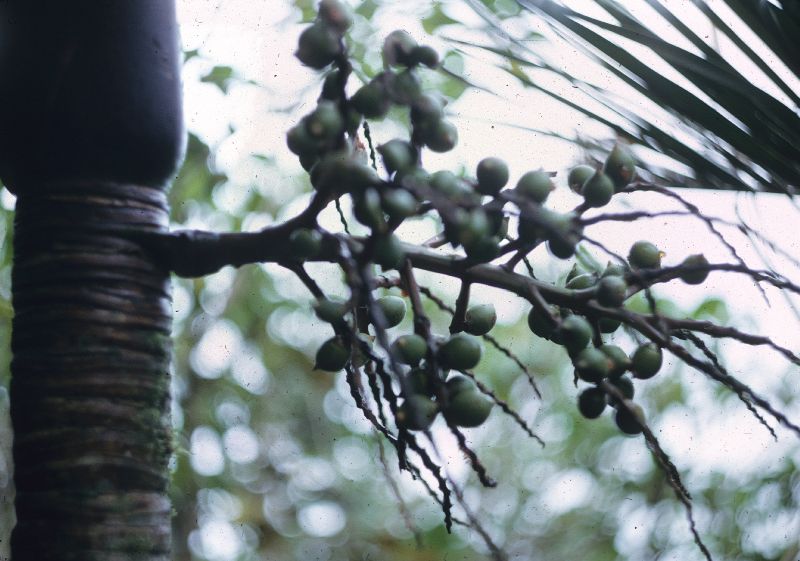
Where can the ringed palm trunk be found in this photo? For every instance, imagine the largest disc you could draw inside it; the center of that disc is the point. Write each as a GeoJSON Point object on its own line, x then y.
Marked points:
{"type": "Point", "coordinates": [90, 133]}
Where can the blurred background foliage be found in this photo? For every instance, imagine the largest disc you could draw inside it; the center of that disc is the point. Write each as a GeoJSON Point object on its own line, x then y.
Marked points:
{"type": "Point", "coordinates": [273, 459]}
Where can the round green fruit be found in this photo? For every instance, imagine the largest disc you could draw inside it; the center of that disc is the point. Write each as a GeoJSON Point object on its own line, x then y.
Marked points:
{"type": "Point", "coordinates": [330, 310]}
{"type": "Point", "coordinates": [336, 14]}
{"type": "Point", "coordinates": [483, 249]}
{"type": "Point", "coordinates": [612, 291]}
{"type": "Point", "coordinates": [398, 48]}
{"type": "Point", "coordinates": [325, 122]}
{"type": "Point", "coordinates": [300, 142]}
{"type": "Point", "coordinates": [644, 255]}
{"type": "Point", "coordinates": [419, 381]}
{"type": "Point", "coordinates": [646, 361]}
{"type": "Point", "coordinates": [592, 365]}
{"type": "Point", "coordinates": [480, 319]}
{"type": "Point", "coordinates": [367, 209]}
{"type": "Point", "coordinates": [398, 155]}
{"type": "Point", "coordinates": [426, 55]}
{"type": "Point", "coordinates": [492, 175]}
{"type": "Point", "coordinates": [388, 252]}
{"type": "Point", "coordinates": [318, 46]}
{"type": "Point", "coordinates": [629, 417]}
{"type": "Point", "coordinates": [468, 409]}
{"type": "Point", "coordinates": [535, 185]}
{"type": "Point", "coordinates": [305, 244]}
{"type": "Point", "coordinates": [371, 100]}
{"type": "Point", "coordinates": [542, 326]}
{"type": "Point", "coordinates": [592, 402]}
{"type": "Point", "coordinates": [393, 308]}
{"type": "Point", "coordinates": [410, 349]}
{"type": "Point", "coordinates": [417, 412]}
{"type": "Point", "coordinates": [460, 352]}
{"type": "Point", "coordinates": [625, 387]}
{"type": "Point", "coordinates": [620, 362]}
{"type": "Point", "coordinates": [598, 190]}
{"type": "Point", "coordinates": [399, 204]}
{"type": "Point", "coordinates": [332, 356]}
{"type": "Point", "coordinates": [575, 333]}
{"type": "Point", "coordinates": [458, 384]}
{"type": "Point", "coordinates": [405, 87]}
{"type": "Point", "coordinates": [620, 166]}
{"type": "Point", "coordinates": [426, 111]}
{"type": "Point", "coordinates": [608, 325]}
{"type": "Point", "coordinates": [697, 271]}
{"type": "Point", "coordinates": [442, 137]}
{"type": "Point", "coordinates": [578, 176]}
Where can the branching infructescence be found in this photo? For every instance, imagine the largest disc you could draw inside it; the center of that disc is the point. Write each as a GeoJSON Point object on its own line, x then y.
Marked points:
{"type": "Point", "coordinates": [411, 375]}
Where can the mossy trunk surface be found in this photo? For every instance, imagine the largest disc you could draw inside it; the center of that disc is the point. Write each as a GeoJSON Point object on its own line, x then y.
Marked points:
{"type": "Point", "coordinates": [90, 381]}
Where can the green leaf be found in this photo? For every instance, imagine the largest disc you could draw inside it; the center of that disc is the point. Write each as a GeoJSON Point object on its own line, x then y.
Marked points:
{"type": "Point", "coordinates": [220, 76]}
{"type": "Point", "coordinates": [436, 19]}
{"type": "Point", "coordinates": [711, 308]}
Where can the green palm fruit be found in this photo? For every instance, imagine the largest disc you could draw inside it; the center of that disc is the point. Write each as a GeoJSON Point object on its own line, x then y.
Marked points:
{"type": "Point", "coordinates": [360, 176]}
{"type": "Point", "coordinates": [367, 209]}
{"type": "Point", "coordinates": [308, 161]}
{"type": "Point", "coordinates": [332, 171]}
{"type": "Point", "coordinates": [300, 142]}
{"type": "Point", "coordinates": [398, 155]}
{"type": "Point", "coordinates": [598, 189]}
{"type": "Point", "coordinates": [331, 86]}
{"type": "Point", "coordinates": [586, 280]}
{"type": "Point", "coordinates": [318, 46]}
{"type": "Point", "coordinates": [398, 48]}
{"type": "Point", "coordinates": [492, 174]}
{"type": "Point", "coordinates": [458, 384]}
{"type": "Point", "coordinates": [417, 412]}
{"type": "Point", "coordinates": [442, 137]}
{"type": "Point", "coordinates": [480, 319]}
{"type": "Point", "coordinates": [420, 381]}
{"type": "Point", "coordinates": [625, 386]}
{"type": "Point", "coordinates": [305, 244]}
{"type": "Point", "coordinates": [399, 204]}
{"type": "Point", "coordinates": [325, 122]}
{"type": "Point", "coordinates": [410, 349]}
{"type": "Point", "coordinates": [474, 227]}
{"type": "Point", "coordinates": [535, 185]}
{"type": "Point", "coordinates": [371, 100]}
{"type": "Point", "coordinates": [620, 362]}
{"type": "Point", "coordinates": [330, 310]}
{"type": "Point", "coordinates": [541, 325]}
{"type": "Point", "coordinates": [468, 409]}
{"type": "Point", "coordinates": [608, 325]}
{"type": "Point", "coordinates": [591, 402]}
{"type": "Point", "coordinates": [614, 270]}
{"type": "Point", "coordinates": [644, 255]}
{"type": "Point", "coordinates": [336, 14]}
{"type": "Point", "coordinates": [393, 308]}
{"type": "Point", "coordinates": [612, 291]}
{"type": "Point", "coordinates": [424, 54]}
{"type": "Point", "coordinates": [646, 361]}
{"type": "Point", "coordinates": [405, 87]}
{"type": "Point", "coordinates": [332, 356]}
{"type": "Point", "coordinates": [629, 417]}
{"type": "Point", "coordinates": [620, 166]}
{"type": "Point", "coordinates": [562, 247]}
{"type": "Point", "coordinates": [427, 110]}
{"type": "Point", "coordinates": [578, 176]}
{"type": "Point", "coordinates": [592, 365]}
{"type": "Point", "coordinates": [447, 184]}
{"type": "Point", "coordinates": [483, 249]}
{"type": "Point", "coordinates": [388, 252]}
{"type": "Point", "coordinates": [575, 333]}
{"type": "Point", "coordinates": [460, 352]}
{"type": "Point", "coordinates": [699, 274]}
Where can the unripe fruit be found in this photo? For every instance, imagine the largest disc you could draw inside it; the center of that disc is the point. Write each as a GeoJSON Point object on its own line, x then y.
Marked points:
{"type": "Point", "coordinates": [325, 122]}
{"type": "Point", "coordinates": [591, 402]}
{"type": "Point", "coordinates": [446, 183]}
{"type": "Point", "coordinates": [299, 141]}
{"type": "Point", "coordinates": [612, 291]}
{"type": "Point", "coordinates": [410, 349]}
{"type": "Point", "coordinates": [393, 308]}
{"type": "Point", "coordinates": [541, 325]}
{"type": "Point", "coordinates": [608, 325]}
{"type": "Point", "coordinates": [483, 249]}
{"type": "Point", "coordinates": [305, 244]}
{"type": "Point", "coordinates": [330, 310]}
{"type": "Point", "coordinates": [629, 417]}
{"type": "Point", "coordinates": [332, 355]}
{"type": "Point", "coordinates": [598, 189]}
{"type": "Point", "coordinates": [625, 386]}
{"type": "Point", "coordinates": [424, 54]}
{"type": "Point", "coordinates": [398, 155]}
{"type": "Point", "coordinates": [417, 412]}
{"type": "Point", "coordinates": [405, 87]}
{"type": "Point", "coordinates": [575, 333]}
{"type": "Point", "coordinates": [578, 176]}
{"type": "Point", "coordinates": [419, 381]}
{"type": "Point", "coordinates": [620, 166]}
{"type": "Point", "coordinates": [318, 46]}
{"type": "Point", "coordinates": [360, 176]}
{"type": "Point", "coordinates": [492, 175]}
{"type": "Point", "coordinates": [388, 252]}
{"type": "Point", "coordinates": [646, 361]}
{"type": "Point", "coordinates": [479, 320]}
{"type": "Point", "coordinates": [460, 352]}
{"type": "Point", "coordinates": [579, 282]}
{"type": "Point", "coordinates": [442, 137]}
{"type": "Point", "coordinates": [475, 226]}
{"type": "Point", "coordinates": [331, 87]}
{"type": "Point", "coordinates": [458, 384]}
{"type": "Point", "coordinates": [367, 209]}
{"type": "Point", "coordinates": [696, 276]}
{"type": "Point", "coordinates": [644, 255]}
{"type": "Point", "coordinates": [592, 365]}
{"type": "Point", "coordinates": [620, 362]}
{"type": "Point", "coordinates": [397, 48]}
{"type": "Point", "coordinates": [308, 161]}
{"type": "Point", "coordinates": [427, 110]}
{"type": "Point", "coordinates": [332, 171]}
{"type": "Point", "coordinates": [468, 409]}
{"type": "Point", "coordinates": [399, 204]}
{"type": "Point", "coordinates": [336, 14]}
{"type": "Point", "coordinates": [535, 185]}
{"type": "Point", "coordinates": [561, 247]}
{"type": "Point", "coordinates": [371, 100]}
